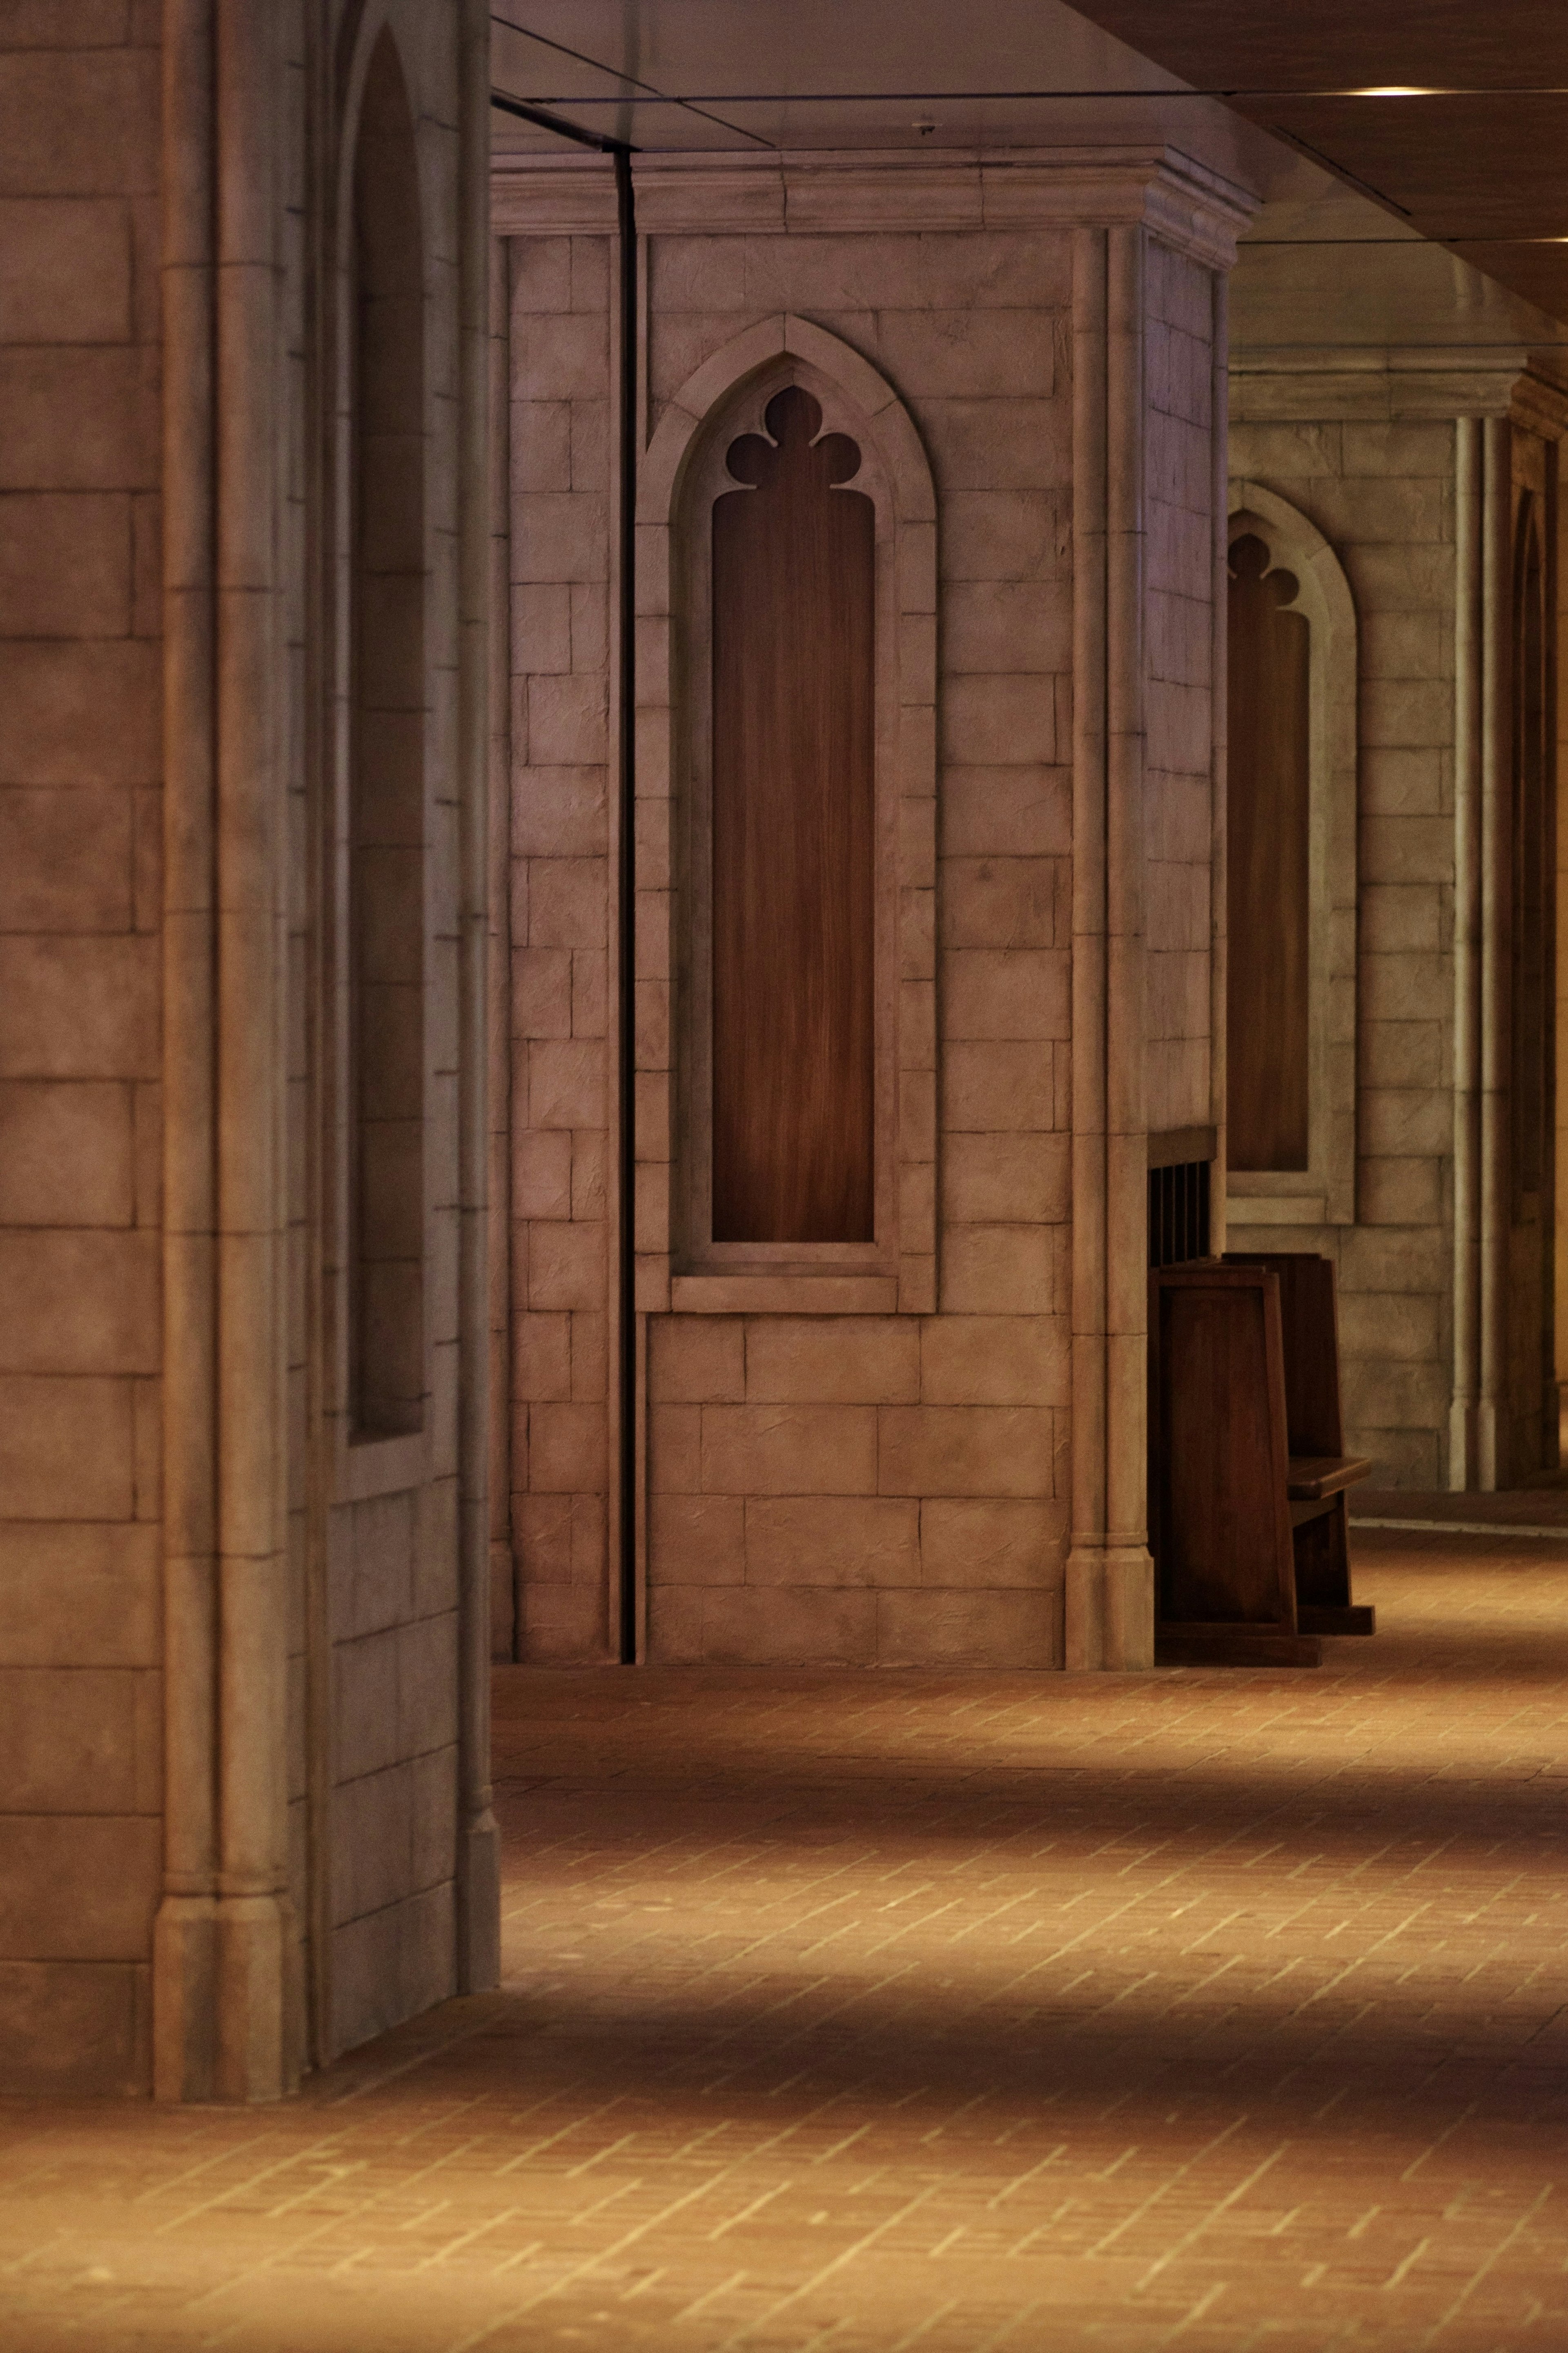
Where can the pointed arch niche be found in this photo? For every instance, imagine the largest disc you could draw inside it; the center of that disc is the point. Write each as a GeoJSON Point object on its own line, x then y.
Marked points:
{"type": "Point", "coordinates": [380, 947]}
{"type": "Point", "coordinates": [1291, 871]}
{"type": "Point", "coordinates": [787, 1100]}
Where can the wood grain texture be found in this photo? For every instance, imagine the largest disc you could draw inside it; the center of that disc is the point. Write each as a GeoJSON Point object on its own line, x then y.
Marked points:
{"type": "Point", "coordinates": [1310, 1333]}
{"type": "Point", "coordinates": [1270, 766]}
{"type": "Point", "coordinates": [1319, 1469]}
{"type": "Point", "coordinates": [1219, 1528]}
{"type": "Point", "coordinates": [794, 839]}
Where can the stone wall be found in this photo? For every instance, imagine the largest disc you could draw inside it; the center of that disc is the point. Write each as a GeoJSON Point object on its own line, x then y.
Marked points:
{"type": "Point", "coordinates": [891, 1489]}
{"type": "Point", "coordinates": [392, 1543]}
{"type": "Point", "coordinates": [1382, 495]}
{"type": "Point", "coordinates": [1177, 775]}
{"type": "Point", "coordinates": [81, 1144]}
{"type": "Point", "coordinates": [557, 292]}
{"type": "Point", "coordinates": [231, 1702]}
{"type": "Point", "coordinates": [873, 1488]}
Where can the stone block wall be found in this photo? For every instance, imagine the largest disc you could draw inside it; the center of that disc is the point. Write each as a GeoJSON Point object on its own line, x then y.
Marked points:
{"type": "Point", "coordinates": [198, 1593]}
{"type": "Point", "coordinates": [392, 1539]}
{"type": "Point", "coordinates": [1180, 655]}
{"type": "Point", "coordinates": [1383, 494]}
{"type": "Point", "coordinates": [892, 1489]}
{"type": "Point", "coordinates": [857, 1487]}
{"type": "Point", "coordinates": [561, 916]}
{"type": "Point", "coordinates": [81, 1140]}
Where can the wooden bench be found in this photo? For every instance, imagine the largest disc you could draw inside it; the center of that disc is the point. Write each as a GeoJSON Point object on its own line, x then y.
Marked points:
{"type": "Point", "coordinates": [1247, 1471]}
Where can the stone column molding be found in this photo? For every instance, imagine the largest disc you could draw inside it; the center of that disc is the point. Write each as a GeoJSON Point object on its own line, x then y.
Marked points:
{"type": "Point", "coordinates": [226, 2012]}
{"type": "Point", "coordinates": [1109, 1587]}
{"type": "Point", "coordinates": [479, 1838]}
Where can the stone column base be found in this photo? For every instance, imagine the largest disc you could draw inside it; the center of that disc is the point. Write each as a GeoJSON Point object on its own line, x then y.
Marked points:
{"type": "Point", "coordinates": [185, 1998]}
{"type": "Point", "coordinates": [478, 1906]}
{"type": "Point", "coordinates": [1109, 1608]}
{"type": "Point", "coordinates": [260, 1998]}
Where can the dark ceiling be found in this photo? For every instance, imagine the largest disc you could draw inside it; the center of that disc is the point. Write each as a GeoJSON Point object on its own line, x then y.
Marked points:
{"type": "Point", "coordinates": [1475, 155]}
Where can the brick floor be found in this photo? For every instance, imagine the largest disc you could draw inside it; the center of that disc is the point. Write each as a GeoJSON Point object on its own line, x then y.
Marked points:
{"type": "Point", "coordinates": [862, 2012]}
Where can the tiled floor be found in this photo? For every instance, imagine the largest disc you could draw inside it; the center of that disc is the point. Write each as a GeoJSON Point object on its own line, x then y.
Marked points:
{"type": "Point", "coordinates": [861, 2012]}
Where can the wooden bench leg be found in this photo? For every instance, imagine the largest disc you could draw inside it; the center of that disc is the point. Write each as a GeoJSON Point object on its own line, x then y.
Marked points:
{"type": "Point", "coordinates": [1351, 1618]}
{"type": "Point", "coordinates": [1235, 1646]}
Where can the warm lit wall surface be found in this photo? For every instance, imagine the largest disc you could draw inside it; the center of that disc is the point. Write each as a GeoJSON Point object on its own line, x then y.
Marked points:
{"type": "Point", "coordinates": [1384, 494]}
{"type": "Point", "coordinates": [892, 1487]}
{"type": "Point", "coordinates": [80, 1142]}
{"type": "Point", "coordinates": [280, 1613]}
{"type": "Point", "coordinates": [865, 1487]}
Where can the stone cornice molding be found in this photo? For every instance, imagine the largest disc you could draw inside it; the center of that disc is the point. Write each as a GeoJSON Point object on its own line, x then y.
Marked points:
{"type": "Point", "coordinates": [1179, 201]}
{"type": "Point", "coordinates": [1541, 404]}
{"type": "Point", "coordinates": [1331, 383]}
{"type": "Point", "coordinates": [554, 195]}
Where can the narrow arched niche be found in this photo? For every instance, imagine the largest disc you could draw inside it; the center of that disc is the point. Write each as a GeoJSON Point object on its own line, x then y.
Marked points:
{"type": "Point", "coordinates": [1268, 1048]}
{"type": "Point", "coordinates": [388, 696]}
{"type": "Point", "coordinates": [886, 1014]}
{"type": "Point", "coordinates": [1291, 920]}
{"type": "Point", "coordinates": [793, 847]}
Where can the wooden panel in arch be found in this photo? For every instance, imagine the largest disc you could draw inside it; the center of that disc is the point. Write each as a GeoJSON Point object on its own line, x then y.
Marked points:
{"type": "Point", "coordinates": [1268, 1043]}
{"type": "Point", "coordinates": [794, 838]}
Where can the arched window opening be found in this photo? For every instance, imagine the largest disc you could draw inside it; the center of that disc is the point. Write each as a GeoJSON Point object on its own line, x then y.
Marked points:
{"type": "Point", "coordinates": [794, 838]}
{"type": "Point", "coordinates": [1269, 1034]}
{"type": "Point", "coordinates": [1533, 863]}
{"type": "Point", "coordinates": [386, 767]}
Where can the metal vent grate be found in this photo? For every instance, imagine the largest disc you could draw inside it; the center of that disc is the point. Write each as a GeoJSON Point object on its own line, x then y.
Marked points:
{"type": "Point", "coordinates": [1178, 1213]}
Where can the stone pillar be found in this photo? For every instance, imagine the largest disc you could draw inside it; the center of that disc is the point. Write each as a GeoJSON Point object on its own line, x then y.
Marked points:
{"type": "Point", "coordinates": [1141, 385]}
{"type": "Point", "coordinates": [1496, 943]}
{"type": "Point", "coordinates": [226, 2008]}
{"type": "Point", "coordinates": [184, 1949]}
{"type": "Point", "coordinates": [479, 1840]}
{"type": "Point", "coordinates": [1469, 636]}
{"type": "Point", "coordinates": [922, 1477]}
{"type": "Point", "coordinates": [1110, 1591]}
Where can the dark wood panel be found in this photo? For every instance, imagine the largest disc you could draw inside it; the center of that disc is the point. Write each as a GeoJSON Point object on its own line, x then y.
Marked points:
{"type": "Point", "coordinates": [1269, 768]}
{"type": "Point", "coordinates": [794, 839]}
{"type": "Point", "coordinates": [1235, 1646]}
{"type": "Point", "coordinates": [1246, 1526]}
{"type": "Point", "coordinates": [1258, 46]}
{"type": "Point", "coordinates": [1320, 1470]}
{"type": "Point", "coordinates": [1355, 1618]}
{"type": "Point", "coordinates": [1219, 1521]}
{"type": "Point", "coordinates": [1310, 1330]}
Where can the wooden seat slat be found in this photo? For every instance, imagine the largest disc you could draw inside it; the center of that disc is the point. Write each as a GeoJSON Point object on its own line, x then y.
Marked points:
{"type": "Point", "coordinates": [1313, 1476]}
